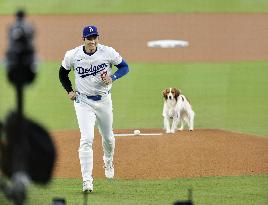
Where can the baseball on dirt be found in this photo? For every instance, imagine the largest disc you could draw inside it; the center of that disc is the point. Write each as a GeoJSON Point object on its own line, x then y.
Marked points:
{"type": "Point", "coordinates": [137, 132]}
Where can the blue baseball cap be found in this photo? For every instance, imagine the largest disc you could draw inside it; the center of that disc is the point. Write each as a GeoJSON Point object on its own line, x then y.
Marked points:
{"type": "Point", "coordinates": [90, 31]}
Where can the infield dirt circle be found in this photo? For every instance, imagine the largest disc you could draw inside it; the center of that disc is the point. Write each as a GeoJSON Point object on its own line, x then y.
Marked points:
{"type": "Point", "coordinates": [203, 152]}
{"type": "Point", "coordinates": [212, 38]}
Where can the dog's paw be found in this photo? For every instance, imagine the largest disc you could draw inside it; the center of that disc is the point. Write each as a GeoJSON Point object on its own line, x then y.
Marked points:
{"type": "Point", "coordinates": [191, 130]}
{"type": "Point", "coordinates": [168, 131]}
{"type": "Point", "coordinates": [172, 131]}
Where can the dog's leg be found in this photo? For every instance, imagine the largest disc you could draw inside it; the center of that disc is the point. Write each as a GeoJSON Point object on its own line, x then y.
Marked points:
{"type": "Point", "coordinates": [175, 123]}
{"type": "Point", "coordinates": [180, 121]}
{"type": "Point", "coordinates": [166, 124]}
{"type": "Point", "coordinates": [191, 120]}
{"type": "Point", "coordinates": [182, 125]}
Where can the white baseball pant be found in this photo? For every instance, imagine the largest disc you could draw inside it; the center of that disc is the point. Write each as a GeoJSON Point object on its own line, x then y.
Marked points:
{"type": "Point", "coordinates": [88, 113]}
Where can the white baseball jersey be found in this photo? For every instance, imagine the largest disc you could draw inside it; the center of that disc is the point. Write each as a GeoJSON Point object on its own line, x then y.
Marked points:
{"type": "Point", "coordinates": [88, 68]}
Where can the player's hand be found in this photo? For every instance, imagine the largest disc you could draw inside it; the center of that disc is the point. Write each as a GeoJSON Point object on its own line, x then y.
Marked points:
{"type": "Point", "coordinates": [72, 95]}
{"type": "Point", "coordinates": [107, 79]}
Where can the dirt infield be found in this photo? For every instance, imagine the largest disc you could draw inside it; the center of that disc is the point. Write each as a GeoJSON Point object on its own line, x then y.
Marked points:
{"type": "Point", "coordinates": [204, 152]}
{"type": "Point", "coordinates": [212, 38]}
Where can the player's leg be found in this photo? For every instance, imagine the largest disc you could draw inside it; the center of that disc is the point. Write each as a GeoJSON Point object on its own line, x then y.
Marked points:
{"type": "Point", "coordinates": [86, 120]}
{"type": "Point", "coordinates": [105, 123]}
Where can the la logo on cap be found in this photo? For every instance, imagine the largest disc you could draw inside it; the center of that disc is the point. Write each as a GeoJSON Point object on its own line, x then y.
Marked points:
{"type": "Point", "coordinates": [90, 29]}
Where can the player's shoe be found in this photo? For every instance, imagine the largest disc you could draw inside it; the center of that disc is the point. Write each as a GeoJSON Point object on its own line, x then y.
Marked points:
{"type": "Point", "coordinates": [109, 169]}
{"type": "Point", "coordinates": [88, 186]}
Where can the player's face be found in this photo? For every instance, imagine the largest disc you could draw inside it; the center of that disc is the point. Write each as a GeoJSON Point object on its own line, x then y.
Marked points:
{"type": "Point", "coordinates": [91, 43]}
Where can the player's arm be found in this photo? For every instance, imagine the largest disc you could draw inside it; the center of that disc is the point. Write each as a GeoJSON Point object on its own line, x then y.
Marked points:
{"type": "Point", "coordinates": [122, 70]}
{"type": "Point", "coordinates": [66, 83]}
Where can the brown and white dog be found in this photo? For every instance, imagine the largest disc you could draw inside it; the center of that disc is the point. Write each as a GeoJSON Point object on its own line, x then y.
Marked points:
{"type": "Point", "coordinates": [178, 110]}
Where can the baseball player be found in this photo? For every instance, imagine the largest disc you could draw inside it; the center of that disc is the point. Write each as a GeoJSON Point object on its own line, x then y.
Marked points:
{"type": "Point", "coordinates": [92, 65]}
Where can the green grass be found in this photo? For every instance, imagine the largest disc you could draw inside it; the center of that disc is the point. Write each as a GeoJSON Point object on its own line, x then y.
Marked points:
{"type": "Point", "coordinates": [231, 96]}
{"type": "Point", "coordinates": [249, 190]}
{"type": "Point", "coordinates": [130, 6]}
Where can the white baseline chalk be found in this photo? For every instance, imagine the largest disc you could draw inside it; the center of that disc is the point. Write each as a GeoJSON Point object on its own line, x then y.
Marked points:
{"type": "Point", "coordinates": [128, 134]}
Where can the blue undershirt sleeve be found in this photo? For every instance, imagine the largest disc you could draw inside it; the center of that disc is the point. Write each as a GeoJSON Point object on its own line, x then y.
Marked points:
{"type": "Point", "coordinates": [122, 70]}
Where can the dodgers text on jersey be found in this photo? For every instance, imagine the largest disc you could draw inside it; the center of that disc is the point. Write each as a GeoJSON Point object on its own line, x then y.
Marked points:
{"type": "Point", "coordinates": [93, 70]}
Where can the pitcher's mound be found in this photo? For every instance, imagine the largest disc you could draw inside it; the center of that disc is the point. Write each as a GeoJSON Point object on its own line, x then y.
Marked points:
{"type": "Point", "coordinates": [203, 152]}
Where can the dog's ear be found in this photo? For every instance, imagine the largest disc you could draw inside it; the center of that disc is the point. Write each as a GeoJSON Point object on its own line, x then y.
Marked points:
{"type": "Point", "coordinates": [165, 91]}
{"type": "Point", "coordinates": [177, 92]}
